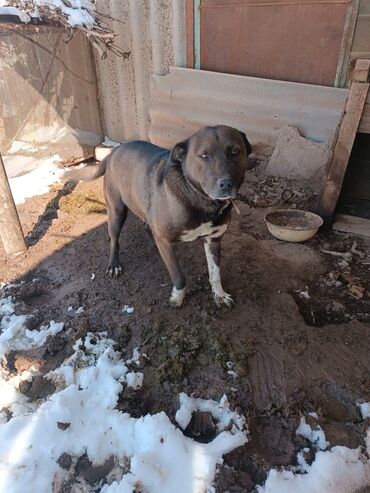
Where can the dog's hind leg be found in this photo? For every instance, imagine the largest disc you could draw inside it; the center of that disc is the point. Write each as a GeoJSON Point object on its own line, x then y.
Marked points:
{"type": "Point", "coordinates": [167, 251]}
{"type": "Point", "coordinates": [117, 214]}
{"type": "Point", "coordinates": [212, 248]}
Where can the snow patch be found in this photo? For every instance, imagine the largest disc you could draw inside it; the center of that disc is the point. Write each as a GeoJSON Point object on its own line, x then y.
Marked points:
{"type": "Point", "coordinates": [76, 11]}
{"type": "Point", "coordinates": [15, 336]}
{"type": "Point", "coordinates": [340, 470]}
{"type": "Point", "coordinates": [88, 386]}
{"type": "Point", "coordinates": [128, 309]}
{"type": "Point", "coordinates": [365, 410]}
{"type": "Point", "coordinates": [316, 437]}
{"type": "Point", "coordinates": [149, 452]}
{"type": "Point", "coordinates": [7, 10]}
{"type": "Point", "coordinates": [110, 143]}
{"type": "Point", "coordinates": [219, 410]}
{"type": "Point", "coordinates": [37, 181]}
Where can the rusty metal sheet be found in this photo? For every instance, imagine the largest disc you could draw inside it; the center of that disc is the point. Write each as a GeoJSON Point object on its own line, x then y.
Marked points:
{"type": "Point", "coordinates": [292, 40]}
{"type": "Point", "coordinates": [187, 99]}
{"type": "Point", "coordinates": [48, 96]}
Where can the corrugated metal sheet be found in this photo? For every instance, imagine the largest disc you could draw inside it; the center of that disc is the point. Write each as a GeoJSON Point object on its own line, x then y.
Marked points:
{"type": "Point", "coordinates": [153, 33]}
{"type": "Point", "coordinates": [48, 95]}
{"type": "Point", "coordinates": [187, 99]}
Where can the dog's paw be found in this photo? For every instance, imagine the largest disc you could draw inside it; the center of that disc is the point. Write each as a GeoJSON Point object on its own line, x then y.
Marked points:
{"type": "Point", "coordinates": [114, 271]}
{"type": "Point", "coordinates": [177, 297]}
{"type": "Point", "coordinates": [223, 299]}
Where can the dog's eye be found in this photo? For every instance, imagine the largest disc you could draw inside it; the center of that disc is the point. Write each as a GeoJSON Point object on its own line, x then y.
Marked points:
{"type": "Point", "coordinates": [235, 151]}
{"type": "Point", "coordinates": [205, 155]}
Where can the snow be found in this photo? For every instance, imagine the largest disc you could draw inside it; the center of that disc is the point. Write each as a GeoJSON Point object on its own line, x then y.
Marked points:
{"type": "Point", "coordinates": [316, 437]}
{"type": "Point", "coordinates": [365, 410]}
{"type": "Point", "coordinates": [110, 143]}
{"type": "Point", "coordinates": [149, 453]}
{"type": "Point", "coordinates": [128, 309]}
{"type": "Point", "coordinates": [135, 360]}
{"type": "Point", "coordinates": [88, 386]}
{"type": "Point", "coordinates": [37, 181]}
{"type": "Point", "coordinates": [339, 470]}
{"type": "Point", "coordinates": [221, 411]}
{"type": "Point", "coordinates": [77, 13]}
{"type": "Point", "coordinates": [15, 335]}
{"type": "Point", "coordinates": [10, 398]}
{"type": "Point", "coordinates": [7, 10]}
{"type": "Point", "coordinates": [134, 380]}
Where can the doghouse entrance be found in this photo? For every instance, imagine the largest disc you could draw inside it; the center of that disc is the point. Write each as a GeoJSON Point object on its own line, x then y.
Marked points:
{"type": "Point", "coordinates": [354, 199]}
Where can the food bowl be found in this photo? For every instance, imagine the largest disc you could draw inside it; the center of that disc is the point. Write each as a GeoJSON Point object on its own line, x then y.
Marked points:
{"type": "Point", "coordinates": [293, 224]}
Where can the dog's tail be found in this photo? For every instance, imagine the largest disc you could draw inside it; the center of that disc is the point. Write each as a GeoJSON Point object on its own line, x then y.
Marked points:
{"type": "Point", "coordinates": [87, 173]}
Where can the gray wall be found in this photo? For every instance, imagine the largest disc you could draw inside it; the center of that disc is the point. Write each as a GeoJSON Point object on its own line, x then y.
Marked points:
{"type": "Point", "coordinates": [153, 31]}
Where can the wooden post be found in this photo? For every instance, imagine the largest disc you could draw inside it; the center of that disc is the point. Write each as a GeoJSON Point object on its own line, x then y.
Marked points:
{"type": "Point", "coordinates": [10, 226]}
{"type": "Point", "coordinates": [346, 137]}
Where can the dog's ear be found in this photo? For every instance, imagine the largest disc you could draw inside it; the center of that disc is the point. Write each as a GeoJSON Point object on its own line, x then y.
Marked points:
{"type": "Point", "coordinates": [178, 152]}
{"type": "Point", "coordinates": [246, 142]}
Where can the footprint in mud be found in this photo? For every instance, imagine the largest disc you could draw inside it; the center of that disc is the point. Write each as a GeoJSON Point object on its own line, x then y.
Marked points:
{"type": "Point", "coordinates": [202, 427]}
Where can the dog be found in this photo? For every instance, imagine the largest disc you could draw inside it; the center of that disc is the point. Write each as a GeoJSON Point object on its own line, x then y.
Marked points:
{"type": "Point", "coordinates": [183, 194]}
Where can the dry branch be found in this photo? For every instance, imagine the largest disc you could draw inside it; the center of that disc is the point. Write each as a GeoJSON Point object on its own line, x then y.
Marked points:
{"type": "Point", "coordinates": [93, 26]}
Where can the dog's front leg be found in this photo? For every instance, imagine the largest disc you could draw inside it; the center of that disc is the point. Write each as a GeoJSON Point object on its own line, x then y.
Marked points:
{"type": "Point", "coordinates": [212, 247]}
{"type": "Point", "coordinates": [167, 251]}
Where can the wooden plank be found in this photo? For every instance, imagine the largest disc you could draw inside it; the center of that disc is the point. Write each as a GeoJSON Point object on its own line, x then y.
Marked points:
{"type": "Point", "coordinates": [11, 230]}
{"type": "Point", "coordinates": [197, 46]}
{"type": "Point", "coordinates": [352, 224]}
{"type": "Point", "coordinates": [190, 33]}
{"type": "Point", "coordinates": [347, 39]}
{"type": "Point", "coordinates": [346, 136]}
{"type": "Point", "coordinates": [88, 154]}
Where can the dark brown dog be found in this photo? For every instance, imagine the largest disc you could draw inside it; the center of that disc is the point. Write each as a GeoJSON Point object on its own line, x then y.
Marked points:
{"type": "Point", "coordinates": [182, 194]}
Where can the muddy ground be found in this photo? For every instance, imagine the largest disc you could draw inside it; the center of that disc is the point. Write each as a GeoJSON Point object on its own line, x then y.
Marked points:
{"type": "Point", "coordinates": [298, 335]}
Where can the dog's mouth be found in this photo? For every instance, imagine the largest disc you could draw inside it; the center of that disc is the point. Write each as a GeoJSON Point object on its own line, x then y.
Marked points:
{"type": "Point", "coordinates": [222, 198]}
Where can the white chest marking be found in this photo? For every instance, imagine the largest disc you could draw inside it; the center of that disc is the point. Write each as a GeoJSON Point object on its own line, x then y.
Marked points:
{"type": "Point", "coordinates": [205, 230]}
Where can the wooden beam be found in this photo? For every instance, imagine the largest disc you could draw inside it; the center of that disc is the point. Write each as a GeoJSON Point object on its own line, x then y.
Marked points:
{"type": "Point", "coordinates": [10, 227]}
{"type": "Point", "coordinates": [347, 132]}
{"type": "Point", "coordinates": [190, 33]}
{"type": "Point", "coordinates": [347, 40]}
{"type": "Point", "coordinates": [351, 224]}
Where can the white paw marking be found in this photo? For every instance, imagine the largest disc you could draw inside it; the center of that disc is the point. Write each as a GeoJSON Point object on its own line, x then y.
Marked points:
{"type": "Point", "coordinates": [116, 272]}
{"type": "Point", "coordinates": [220, 296]}
{"type": "Point", "coordinates": [223, 299]}
{"type": "Point", "coordinates": [177, 297]}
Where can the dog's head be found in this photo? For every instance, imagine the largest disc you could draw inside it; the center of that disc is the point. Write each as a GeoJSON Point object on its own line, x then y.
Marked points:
{"type": "Point", "coordinates": [214, 160]}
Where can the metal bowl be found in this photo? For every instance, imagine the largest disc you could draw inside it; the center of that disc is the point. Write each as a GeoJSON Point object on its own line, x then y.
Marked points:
{"type": "Point", "coordinates": [293, 224]}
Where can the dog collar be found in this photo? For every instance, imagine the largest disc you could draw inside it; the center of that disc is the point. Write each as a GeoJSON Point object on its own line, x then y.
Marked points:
{"type": "Point", "coordinates": [224, 207]}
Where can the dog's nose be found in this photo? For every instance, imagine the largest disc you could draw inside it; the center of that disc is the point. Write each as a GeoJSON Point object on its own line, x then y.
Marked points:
{"type": "Point", "coordinates": [224, 184]}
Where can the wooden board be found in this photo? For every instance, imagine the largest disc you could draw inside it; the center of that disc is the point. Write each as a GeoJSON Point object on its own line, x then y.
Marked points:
{"type": "Point", "coordinates": [352, 224]}
{"type": "Point", "coordinates": [189, 33]}
{"type": "Point", "coordinates": [346, 136]}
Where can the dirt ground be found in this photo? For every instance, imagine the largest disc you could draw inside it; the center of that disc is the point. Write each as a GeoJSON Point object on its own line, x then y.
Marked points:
{"type": "Point", "coordinates": [298, 336]}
